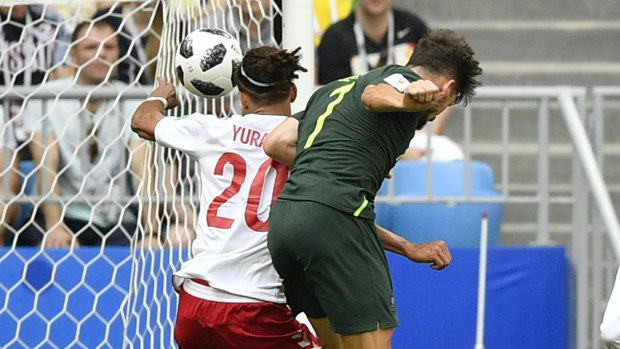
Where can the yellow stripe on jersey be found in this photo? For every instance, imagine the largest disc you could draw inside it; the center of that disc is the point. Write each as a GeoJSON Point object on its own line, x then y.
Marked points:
{"type": "Point", "coordinates": [361, 208]}
{"type": "Point", "coordinates": [341, 92]}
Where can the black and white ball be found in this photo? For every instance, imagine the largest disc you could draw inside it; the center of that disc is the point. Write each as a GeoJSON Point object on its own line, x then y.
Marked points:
{"type": "Point", "coordinates": [206, 60]}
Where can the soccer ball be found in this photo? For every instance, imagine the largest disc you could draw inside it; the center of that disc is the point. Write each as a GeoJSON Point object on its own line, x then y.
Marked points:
{"type": "Point", "coordinates": [206, 60]}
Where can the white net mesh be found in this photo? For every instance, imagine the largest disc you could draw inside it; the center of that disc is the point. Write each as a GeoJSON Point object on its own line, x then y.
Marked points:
{"type": "Point", "coordinates": [75, 175]}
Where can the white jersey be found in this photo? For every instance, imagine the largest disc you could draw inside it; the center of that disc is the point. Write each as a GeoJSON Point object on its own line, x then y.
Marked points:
{"type": "Point", "coordinates": [239, 182]}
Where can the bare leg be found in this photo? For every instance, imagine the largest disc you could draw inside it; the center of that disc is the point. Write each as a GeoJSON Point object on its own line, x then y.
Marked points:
{"type": "Point", "coordinates": [377, 339]}
{"type": "Point", "coordinates": [329, 338]}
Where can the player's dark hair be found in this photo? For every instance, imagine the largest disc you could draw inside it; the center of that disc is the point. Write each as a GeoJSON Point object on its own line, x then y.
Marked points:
{"type": "Point", "coordinates": [267, 73]}
{"type": "Point", "coordinates": [445, 52]}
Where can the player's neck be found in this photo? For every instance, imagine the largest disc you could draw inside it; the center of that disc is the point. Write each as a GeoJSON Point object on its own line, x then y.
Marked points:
{"type": "Point", "coordinates": [374, 26]}
{"type": "Point", "coordinates": [273, 109]}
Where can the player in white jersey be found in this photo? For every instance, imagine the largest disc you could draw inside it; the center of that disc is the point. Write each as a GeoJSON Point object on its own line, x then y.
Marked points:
{"type": "Point", "coordinates": [230, 293]}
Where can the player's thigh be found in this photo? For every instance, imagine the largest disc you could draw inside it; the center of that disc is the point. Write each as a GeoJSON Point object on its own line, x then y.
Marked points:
{"type": "Point", "coordinates": [378, 339]}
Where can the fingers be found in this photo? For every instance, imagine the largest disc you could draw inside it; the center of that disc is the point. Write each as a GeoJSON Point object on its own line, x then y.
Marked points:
{"type": "Point", "coordinates": [166, 90]}
{"type": "Point", "coordinates": [163, 83]}
{"type": "Point", "coordinates": [422, 91]}
{"type": "Point", "coordinates": [441, 255]}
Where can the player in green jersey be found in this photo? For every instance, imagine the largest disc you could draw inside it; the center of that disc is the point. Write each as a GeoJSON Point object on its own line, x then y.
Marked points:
{"type": "Point", "coordinates": [322, 236]}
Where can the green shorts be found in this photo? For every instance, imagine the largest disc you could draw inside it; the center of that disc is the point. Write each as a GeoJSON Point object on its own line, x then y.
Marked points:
{"type": "Point", "coordinates": [332, 264]}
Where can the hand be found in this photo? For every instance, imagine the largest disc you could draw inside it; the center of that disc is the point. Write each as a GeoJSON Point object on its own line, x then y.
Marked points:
{"type": "Point", "coordinates": [435, 252]}
{"type": "Point", "coordinates": [166, 89]}
{"type": "Point", "coordinates": [425, 94]}
{"type": "Point", "coordinates": [59, 237]}
{"type": "Point", "coordinates": [422, 91]}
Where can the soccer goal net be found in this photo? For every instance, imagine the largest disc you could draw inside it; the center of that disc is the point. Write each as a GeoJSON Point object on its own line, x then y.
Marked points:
{"type": "Point", "coordinates": [75, 176]}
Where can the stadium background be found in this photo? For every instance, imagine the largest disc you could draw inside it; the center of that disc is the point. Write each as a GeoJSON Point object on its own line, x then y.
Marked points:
{"type": "Point", "coordinates": [553, 43]}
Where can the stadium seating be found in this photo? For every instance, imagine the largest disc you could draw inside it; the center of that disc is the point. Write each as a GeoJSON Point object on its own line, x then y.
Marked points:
{"type": "Point", "coordinates": [456, 223]}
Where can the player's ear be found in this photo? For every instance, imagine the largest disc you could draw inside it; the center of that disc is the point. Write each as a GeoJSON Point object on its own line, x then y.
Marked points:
{"type": "Point", "coordinates": [448, 84]}
{"type": "Point", "coordinates": [244, 97]}
{"type": "Point", "coordinates": [293, 93]}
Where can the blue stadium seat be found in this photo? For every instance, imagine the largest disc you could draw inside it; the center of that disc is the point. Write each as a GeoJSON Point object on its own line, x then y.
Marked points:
{"type": "Point", "coordinates": [457, 224]}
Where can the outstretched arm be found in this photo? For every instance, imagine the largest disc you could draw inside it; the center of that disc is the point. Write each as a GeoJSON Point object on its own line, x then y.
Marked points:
{"type": "Point", "coordinates": [435, 252]}
{"type": "Point", "coordinates": [148, 114]}
{"type": "Point", "coordinates": [281, 143]}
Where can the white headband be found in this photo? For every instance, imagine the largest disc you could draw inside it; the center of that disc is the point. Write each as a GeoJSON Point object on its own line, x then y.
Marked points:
{"type": "Point", "coordinates": [254, 82]}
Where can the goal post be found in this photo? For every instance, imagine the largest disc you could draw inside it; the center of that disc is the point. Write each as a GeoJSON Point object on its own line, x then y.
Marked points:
{"type": "Point", "coordinates": [103, 295]}
{"type": "Point", "coordinates": [298, 14]}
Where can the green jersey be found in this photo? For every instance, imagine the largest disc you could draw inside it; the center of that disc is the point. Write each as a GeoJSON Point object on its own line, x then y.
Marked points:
{"type": "Point", "coordinates": [345, 151]}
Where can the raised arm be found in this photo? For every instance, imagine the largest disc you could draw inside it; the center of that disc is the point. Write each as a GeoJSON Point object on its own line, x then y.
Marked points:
{"type": "Point", "coordinates": [281, 143]}
{"type": "Point", "coordinates": [419, 95]}
{"type": "Point", "coordinates": [148, 114]}
{"type": "Point", "coordinates": [435, 252]}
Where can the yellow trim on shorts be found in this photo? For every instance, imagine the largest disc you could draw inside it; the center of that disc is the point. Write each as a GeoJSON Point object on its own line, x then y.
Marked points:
{"type": "Point", "coordinates": [361, 208]}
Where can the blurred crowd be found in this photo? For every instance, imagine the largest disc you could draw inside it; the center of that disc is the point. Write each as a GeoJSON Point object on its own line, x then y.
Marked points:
{"type": "Point", "coordinates": [74, 174]}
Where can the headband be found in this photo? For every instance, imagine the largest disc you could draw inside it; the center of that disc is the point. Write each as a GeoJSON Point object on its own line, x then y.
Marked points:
{"type": "Point", "coordinates": [254, 82]}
